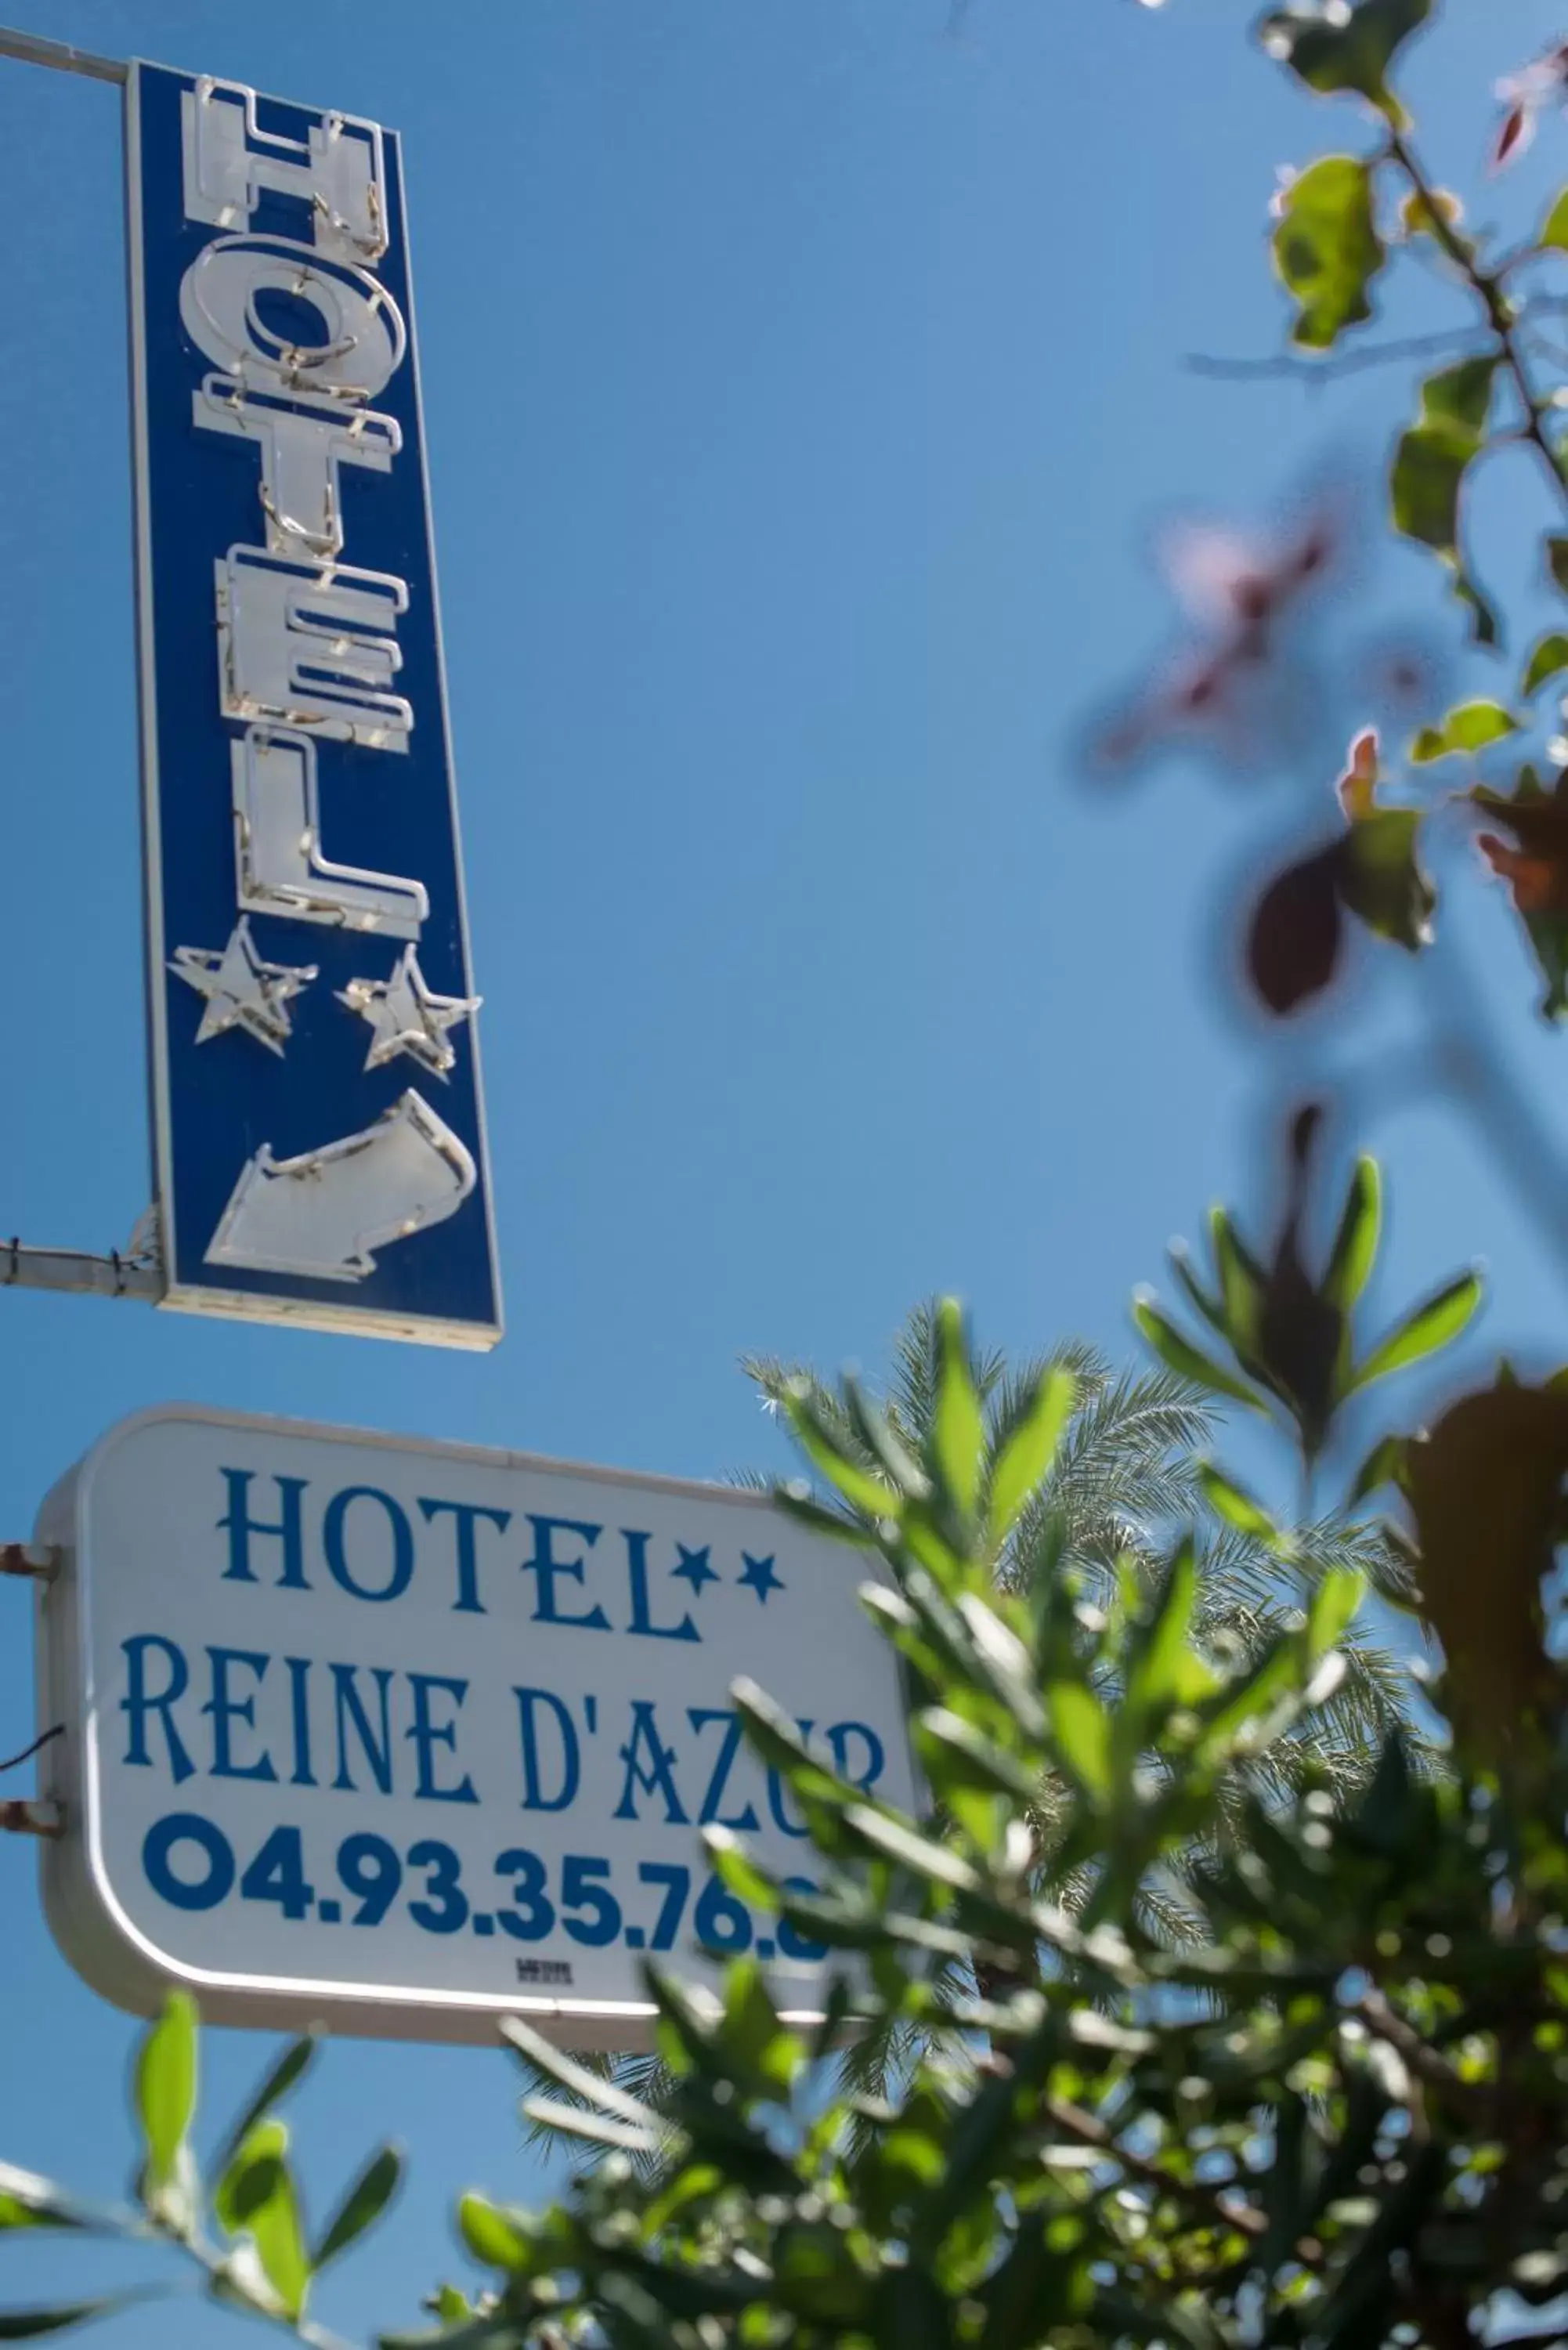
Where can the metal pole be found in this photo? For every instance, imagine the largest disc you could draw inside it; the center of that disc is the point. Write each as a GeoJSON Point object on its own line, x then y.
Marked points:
{"type": "Point", "coordinates": [35, 51]}
{"type": "Point", "coordinates": [138, 1273]}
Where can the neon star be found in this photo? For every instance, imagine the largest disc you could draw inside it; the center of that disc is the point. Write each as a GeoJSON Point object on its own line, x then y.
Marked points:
{"type": "Point", "coordinates": [243, 990]}
{"type": "Point", "coordinates": [758, 1575]}
{"type": "Point", "coordinates": [694, 1568]}
{"type": "Point", "coordinates": [406, 1016]}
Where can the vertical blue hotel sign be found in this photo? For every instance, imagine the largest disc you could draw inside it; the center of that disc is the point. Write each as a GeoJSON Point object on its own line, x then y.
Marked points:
{"type": "Point", "coordinates": [317, 1109]}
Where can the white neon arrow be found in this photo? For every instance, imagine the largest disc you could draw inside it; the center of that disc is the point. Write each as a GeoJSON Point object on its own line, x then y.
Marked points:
{"type": "Point", "coordinates": [322, 1214]}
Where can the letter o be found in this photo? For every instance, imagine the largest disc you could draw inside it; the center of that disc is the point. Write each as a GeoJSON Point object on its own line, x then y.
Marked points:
{"type": "Point", "coordinates": [364, 337]}
{"type": "Point", "coordinates": [332, 1529]}
{"type": "Point", "coordinates": [157, 1862]}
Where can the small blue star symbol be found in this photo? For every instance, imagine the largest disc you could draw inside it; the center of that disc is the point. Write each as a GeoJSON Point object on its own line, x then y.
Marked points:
{"type": "Point", "coordinates": [694, 1568]}
{"type": "Point", "coordinates": [758, 1576]}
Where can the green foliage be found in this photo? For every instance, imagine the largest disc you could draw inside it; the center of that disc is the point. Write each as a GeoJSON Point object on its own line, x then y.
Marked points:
{"type": "Point", "coordinates": [1291, 1340]}
{"type": "Point", "coordinates": [241, 2225]}
{"type": "Point", "coordinates": [1429, 468]}
{"type": "Point", "coordinates": [1549, 658]}
{"type": "Point", "coordinates": [1347, 50]}
{"type": "Point", "coordinates": [1469, 727]}
{"type": "Point", "coordinates": [1326, 248]}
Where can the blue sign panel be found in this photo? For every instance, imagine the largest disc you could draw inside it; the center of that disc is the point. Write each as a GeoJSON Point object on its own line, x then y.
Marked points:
{"type": "Point", "coordinates": [319, 1147]}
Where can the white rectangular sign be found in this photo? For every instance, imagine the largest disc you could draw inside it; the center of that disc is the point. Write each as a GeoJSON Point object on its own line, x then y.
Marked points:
{"type": "Point", "coordinates": [400, 1737]}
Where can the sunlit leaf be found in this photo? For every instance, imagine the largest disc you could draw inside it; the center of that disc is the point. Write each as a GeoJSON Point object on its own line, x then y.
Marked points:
{"type": "Point", "coordinates": [1080, 1732]}
{"type": "Point", "coordinates": [1179, 1354]}
{"type": "Point", "coordinates": [1029, 1451]}
{"type": "Point", "coordinates": [27, 2200]}
{"type": "Point", "coordinates": [1381, 878]}
{"type": "Point", "coordinates": [166, 2085]}
{"type": "Point", "coordinates": [574, 2078]}
{"type": "Point", "coordinates": [597, 2130]}
{"type": "Point", "coordinates": [1333, 1605]}
{"type": "Point", "coordinates": [958, 1425]}
{"type": "Point", "coordinates": [490, 2234]}
{"type": "Point", "coordinates": [820, 1443]}
{"type": "Point", "coordinates": [1326, 248]}
{"type": "Point", "coordinates": [1355, 1250]}
{"type": "Point", "coordinates": [1433, 1324]}
{"type": "Point", "coordinates": [1235, 1504]}
{"type": "Point", "coordinates": [1469, 727]}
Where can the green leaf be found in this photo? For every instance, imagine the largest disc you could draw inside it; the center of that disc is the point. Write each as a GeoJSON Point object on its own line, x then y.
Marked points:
{"type": "Point", "coordinates": [745, 1876]}
{"type": "Point", "coordinates": [1381, 878]}
{"type": "Point", "coordinates": [1355, 1250]}
{"type": "Point", "coordinates": [166, 2087]}
{"type": "Point", "coordinates": [1029, 1451]}
{"type": "Point", "coordinates": [1180, 1355]}
{"type": "Point", "coordinates": [29, 2324]}
{"type": "Point", "coordinates": [491, 2235]}
{"type": "Point", "coordinates": [796, 1500]}
{"type": "Point", "coordinates": [1469, 727]}
{"type": "Point", "coordinates": [574, 2078]}
{"type": "Point", "coordinates": [1235, 1504]}
{"type": "Point", "coordinates": [772, 1734]}
{"type": "Point", "coordinates": [275, 2228]}
{"type": "Point", "coordinates": [955, 1753]}
{"type": "Point", "coordinates": [1242, 1283]}
{"type": "Point", "coordinates": [289, 2069]}
{"type": "Point", "coordinates": [362, 2206]}
{"type": "Point", "coordinates": [1549, 659]}
{"type": "Point", "coordinates": [1429, 468]}
{"type": "Point", "coordinates": [1081, 1733]}
{"type": "Point", "coordinates": [1326, 248]}
{"type": "Point", "coordinates": [255, 2198]}
{"type": "Point", "coordinates": [1433, 1324]}
{"type": "Point", "coordinates": [598, 2129]}
{"type": "Point", "coordinates": [820, 1443]}
{"type": "Point", "coordinates": [1458, 398]}
{"type": "Point", "coordinates": [898, 1841]}
{"type": "Point", "coordinates": [1349, 56]}
{"type": "Point", "coordinates": [1554, 231]}
{"type": "Point", "coordinates": [1384, 1465]}
{"type": "Point", "coordinates": [27, 2200]}
{"type": "Point", "coordinates": [1211, 1309]}
{"type": "Point", "coordinates": [1164, 1669]}
{"type": "Point", "coordinates": [247, 2178]}
{"type": "Point", "coordinates": [1331, 1608]}
{"type": "Point", "coordinates": [1428, 471]}
{"type": "Point", "coordinates": [958, 1425]}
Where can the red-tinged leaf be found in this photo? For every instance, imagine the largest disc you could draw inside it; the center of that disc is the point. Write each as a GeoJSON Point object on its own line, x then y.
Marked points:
{"type": "Point", "coordinates": [1514, 135]}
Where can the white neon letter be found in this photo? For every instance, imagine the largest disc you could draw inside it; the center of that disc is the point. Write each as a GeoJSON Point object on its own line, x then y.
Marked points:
{"type": "Point", "coordinates": [311, 645]}
{"type": "Point", "coordinates": [302, 448]}
{"type": "Point", "coordinates": [338, 170]}
{"type": "Point", "coordinates": [279, 865]}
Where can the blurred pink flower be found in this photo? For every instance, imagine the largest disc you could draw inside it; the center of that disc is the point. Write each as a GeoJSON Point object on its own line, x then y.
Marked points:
{"type": "Point", "coordinates": [1526, 95]}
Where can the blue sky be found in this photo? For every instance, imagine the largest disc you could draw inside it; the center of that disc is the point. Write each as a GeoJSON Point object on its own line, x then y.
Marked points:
{"type": "Point", "coordinates": [801, 379]}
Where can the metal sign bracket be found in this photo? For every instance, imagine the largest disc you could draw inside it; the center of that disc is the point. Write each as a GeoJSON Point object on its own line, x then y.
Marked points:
{"type": "Point", "coordinates": [137, 1270]}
